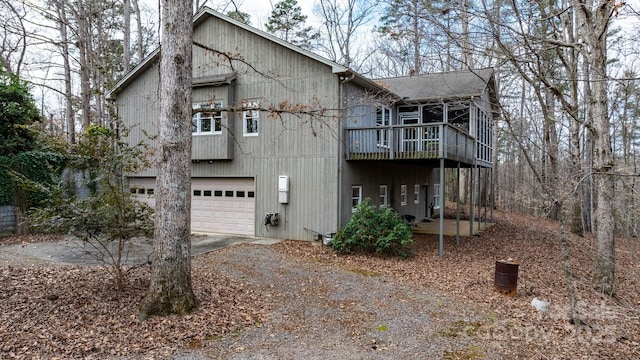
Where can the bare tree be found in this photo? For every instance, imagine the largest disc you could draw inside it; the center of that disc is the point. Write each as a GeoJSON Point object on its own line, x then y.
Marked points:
{"type": "Point", "coordinates": [13, 36]}
{"type": "Point", "coordinates": [126, 43]}
{"type": "Point", "coordinates": [170, 291]}
{"type": "Point", "coordinates": [342, 21]}
{"type": "Point", "coordinates": [594, 18]}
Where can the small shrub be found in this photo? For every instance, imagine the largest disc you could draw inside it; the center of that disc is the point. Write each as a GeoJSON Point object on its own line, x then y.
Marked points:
{"type": "Point", "coordinates": [374, 230]}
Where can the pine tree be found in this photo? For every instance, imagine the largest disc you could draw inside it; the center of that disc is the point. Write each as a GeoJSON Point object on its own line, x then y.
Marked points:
{"type": "Point", "coordinates": [287, 22]}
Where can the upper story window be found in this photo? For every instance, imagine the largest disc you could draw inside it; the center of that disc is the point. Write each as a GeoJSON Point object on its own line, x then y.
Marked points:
{"type": "Point", "coordinates": [383, 119]}
{"type": "Point", "coordinates": [251, 119]}
{"type": "Point", "coordinates": [207, 119]}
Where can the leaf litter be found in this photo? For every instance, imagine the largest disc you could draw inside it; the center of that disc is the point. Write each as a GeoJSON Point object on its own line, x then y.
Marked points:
{"type": "Point", "coordinates": [258, 302]}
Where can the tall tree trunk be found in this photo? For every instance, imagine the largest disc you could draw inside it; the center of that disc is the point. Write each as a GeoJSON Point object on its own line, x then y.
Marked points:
{"type": "Point", "coordinates": [140, 41]}
{"type": "Point", "coordinates": [170, 291]}
{"type": "Point", "coordinates": [595, 21]}
{"type": "Point", "coordinates": [587, 183]}
{"type": "Point", "coordinates": [417, 66]}
{"type": "Point", "coordinates": [127, 35]}
{"type": "Point", "coordinates": [466, 42]}
{"type": "Point", "coordinates": [83, 16]}
{"type": "Point", "coordinates": [69, 114]}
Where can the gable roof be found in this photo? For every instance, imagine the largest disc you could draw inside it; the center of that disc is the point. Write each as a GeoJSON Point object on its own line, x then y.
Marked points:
{"type": "Point", "coordinates": [438, 86]}
{"type": "Point", "coordinates": [206, 13]}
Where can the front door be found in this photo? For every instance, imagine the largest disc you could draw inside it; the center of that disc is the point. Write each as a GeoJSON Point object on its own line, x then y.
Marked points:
{"type": "Point", "coordinates": [411, 139]}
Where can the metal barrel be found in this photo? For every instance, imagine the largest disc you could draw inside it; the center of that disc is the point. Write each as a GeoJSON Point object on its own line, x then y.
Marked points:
{"type": "Point", "coordinates": [506, 277]}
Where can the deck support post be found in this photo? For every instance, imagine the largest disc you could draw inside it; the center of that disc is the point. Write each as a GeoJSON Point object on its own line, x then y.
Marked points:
{"type": "Point", "coordinates": [458, 204]}
{"type": "Point", "coordinates": [441, 207]}
{"type": "Point", "coordinates": [493, 194]}
{"type": "Point", "coordinates": [486, 195]}
{"type": "Point", "coordinates": [471, 187]}
{"type": "Point", "coordinates": [479, 196]}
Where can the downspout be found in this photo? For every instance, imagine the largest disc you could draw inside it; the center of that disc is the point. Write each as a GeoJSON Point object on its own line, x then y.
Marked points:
{"type": "Point", "coordinates": [341, 99]}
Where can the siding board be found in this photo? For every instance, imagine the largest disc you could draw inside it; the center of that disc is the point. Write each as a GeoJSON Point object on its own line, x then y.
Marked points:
{"type": "Point", "coordinates": [303, 148]}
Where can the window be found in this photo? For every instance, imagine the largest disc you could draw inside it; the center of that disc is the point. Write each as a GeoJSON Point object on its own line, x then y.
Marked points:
{"type": "Point", "coordinates": [383, 119]}
{"type": "Point", "coordinates": [240, 194]}
{"type": "Point", "coordinates": [251, 119]}
{"type": "Point", "coordinates": [356, 197]}
{"type": "Point", "coordinates": [150, 191]}
{"type": "Point", "coordinates": [228, 193]}
{"type": "Point", "coordinates": [436, 196]}
{"type": "Point", "coordinates": [217, 193]}
{"type": "Point", "coordinates": [197, 192]}
{"type": "Point", "coordinates": [207, 193]}
{"type": "Point", "coordinates": [403, 194]}
{"type": "Point", "coordinates": [416, 194]}
{"type": "Point", "coordinates": [383, 196]}
{"type": "Point", "coordinates": [251, 194]}
{"type": "Point", "coordinates": [207, 120]}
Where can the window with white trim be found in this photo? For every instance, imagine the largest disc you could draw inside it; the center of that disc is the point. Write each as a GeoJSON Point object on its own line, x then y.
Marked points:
{"type": "Point", "coordinates": [356, 197]}
{"type": "Point", "coordinates": [416, 194]}
{"type": "Point", "coordinates": [383, 196]}
{"type": "Point", "coordinates": [383, 119]}
{"type": "Point", "coordinates": [403, 194]}
{"type": "Point", "coordinates": [251, 119]}
{"type": "Point", "coordinates": [207, 119]}
{"type": "Point", "coordinates": [436, 196]}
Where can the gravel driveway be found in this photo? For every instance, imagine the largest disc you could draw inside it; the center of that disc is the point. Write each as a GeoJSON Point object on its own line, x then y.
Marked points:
{"type": "Point", "coordinates": [321, 312]}
{"type": "Point", "coordinates": [317, 310]}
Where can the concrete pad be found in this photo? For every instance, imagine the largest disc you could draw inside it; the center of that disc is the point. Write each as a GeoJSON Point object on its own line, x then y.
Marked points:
{"type": "Point", "coordinates": [449, 225]}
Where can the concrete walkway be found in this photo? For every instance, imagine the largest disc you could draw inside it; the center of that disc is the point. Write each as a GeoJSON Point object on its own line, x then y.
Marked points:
{"type": "Point", "coordinates": [136, 252]}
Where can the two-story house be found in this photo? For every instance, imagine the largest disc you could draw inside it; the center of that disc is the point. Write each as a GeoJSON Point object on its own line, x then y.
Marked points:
{"type": "Point", "coordinates": [280, 130]}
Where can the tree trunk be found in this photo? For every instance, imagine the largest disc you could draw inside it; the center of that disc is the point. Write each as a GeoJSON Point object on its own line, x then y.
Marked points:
{"type": "Point", "coordinates": [140, 42]}
{"type": "Point", "coordinates": [68, 92]}
{"type": "Point", "coordinates": [127, 35]}
{"type": "Point", "coordinates": [84, 48]}
{"type": "Point", "coordinates": [170, 291]}
{"type": "Point", "coordinates": [595, 21]}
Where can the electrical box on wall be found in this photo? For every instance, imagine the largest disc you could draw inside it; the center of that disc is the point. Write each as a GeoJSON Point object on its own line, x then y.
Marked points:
{"type": "Point", "coordinates": [283, 189]}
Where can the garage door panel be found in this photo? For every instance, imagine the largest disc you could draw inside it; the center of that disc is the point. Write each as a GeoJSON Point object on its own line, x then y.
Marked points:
{"type": "Point", "coordinates": [225, 211]}
{"type": "Point", "coordinates": [217, 205]}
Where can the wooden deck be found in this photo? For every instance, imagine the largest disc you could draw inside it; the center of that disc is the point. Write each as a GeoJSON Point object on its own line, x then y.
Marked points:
{"type": "Point", "coordinates": [433, 227]}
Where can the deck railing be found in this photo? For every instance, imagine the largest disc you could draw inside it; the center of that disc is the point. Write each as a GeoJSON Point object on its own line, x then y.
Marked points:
{"type": "Point", "coordinates": [416, 141]}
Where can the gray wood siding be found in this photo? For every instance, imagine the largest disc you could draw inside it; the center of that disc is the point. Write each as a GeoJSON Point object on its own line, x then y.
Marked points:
{"type": "Point", "coordinates": [312, 194]}
{"type": "Point", "coordinates": [370, 175]}
{"type": "Point", "coordinates": [138, 106]}
{"type": "Point", "coordinates": [215, 146]}
{"type": "Point", "coordinates": [303, 147]}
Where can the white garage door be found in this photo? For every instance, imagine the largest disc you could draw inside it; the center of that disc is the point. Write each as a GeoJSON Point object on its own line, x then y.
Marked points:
{"type": "Point", "coordinates": [217, 205]}
{"type": "Point", "coordinates": [223, 205]}
{"type": "Point", "coordinates": [143, 189]}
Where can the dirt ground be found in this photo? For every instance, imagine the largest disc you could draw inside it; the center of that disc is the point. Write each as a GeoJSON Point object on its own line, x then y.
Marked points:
{"type": "Point", "coordinates": [297, 300]}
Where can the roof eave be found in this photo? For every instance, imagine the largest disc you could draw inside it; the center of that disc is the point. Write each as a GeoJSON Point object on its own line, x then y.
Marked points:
{"type": "Point", "coordinates": [200, 17]}
{"type": "Point", "coordinates": [131, 75]}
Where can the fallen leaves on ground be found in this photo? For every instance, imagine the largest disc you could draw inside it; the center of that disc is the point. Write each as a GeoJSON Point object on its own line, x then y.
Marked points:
{"type": "Point", "coordinates": [467, 270]}
{"type": "Point", "coordinates": [28, 239]}
{"type": "Point", "coordinates": [72, 312]}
